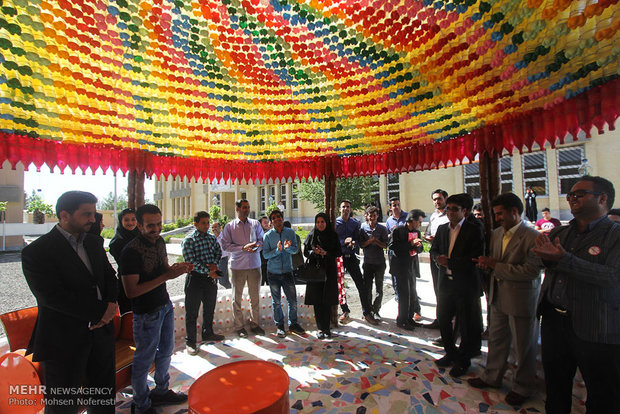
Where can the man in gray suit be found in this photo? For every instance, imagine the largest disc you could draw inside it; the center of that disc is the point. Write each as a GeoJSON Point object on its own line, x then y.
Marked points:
{"type": "Point", "coordinates": [515, 285]}
{"type": "Point", "coordinates": [580, 301]}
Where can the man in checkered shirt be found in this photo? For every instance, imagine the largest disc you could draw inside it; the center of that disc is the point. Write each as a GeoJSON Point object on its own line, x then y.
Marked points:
{"type": "Point", "coordinates": [202, 250]}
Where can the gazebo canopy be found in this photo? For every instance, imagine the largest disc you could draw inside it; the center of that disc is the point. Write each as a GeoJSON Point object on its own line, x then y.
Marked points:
{"type": "Point", "coordinates": [299, 88]}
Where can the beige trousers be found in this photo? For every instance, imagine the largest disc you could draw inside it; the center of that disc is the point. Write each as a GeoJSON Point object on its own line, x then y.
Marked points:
{"type": "Point", "coordinates": [239, 279]}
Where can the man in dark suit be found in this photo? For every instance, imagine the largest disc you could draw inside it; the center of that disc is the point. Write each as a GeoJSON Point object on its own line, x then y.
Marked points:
{"type": "Point", "coordinates": [580, 301]}
{"type": "Point", "coordinates": [455, 244]}
{"type": "Point", "coordinates": [75, 286]}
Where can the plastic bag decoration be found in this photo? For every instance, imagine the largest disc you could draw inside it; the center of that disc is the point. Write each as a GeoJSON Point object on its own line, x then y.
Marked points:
{"type": "Point", "coordinates": [296, 88]}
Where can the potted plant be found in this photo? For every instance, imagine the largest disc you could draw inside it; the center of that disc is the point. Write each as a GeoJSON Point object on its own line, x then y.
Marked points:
{"type": "Point", "coordinates": [39, 209]}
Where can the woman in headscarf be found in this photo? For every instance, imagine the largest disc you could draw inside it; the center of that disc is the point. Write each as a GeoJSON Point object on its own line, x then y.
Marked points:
{"type": "Point", "coordinates": [126, 231]}
{"type": "Point", "coordinates": [322, 244]}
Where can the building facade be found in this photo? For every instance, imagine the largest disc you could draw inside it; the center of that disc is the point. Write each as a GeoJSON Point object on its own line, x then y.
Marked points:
{"type": "Point", "coordinates": [549, 171]}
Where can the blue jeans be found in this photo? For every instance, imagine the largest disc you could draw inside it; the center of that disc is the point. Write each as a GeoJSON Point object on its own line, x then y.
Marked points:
{"type": "Point", "coordinates": [153, 334]}
{"type": "Point", "coordinates": [277, 283]}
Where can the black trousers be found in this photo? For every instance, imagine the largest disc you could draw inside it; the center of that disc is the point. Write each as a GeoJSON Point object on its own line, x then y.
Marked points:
{"type": "Point", "coordinates": [352, 265]}
{"type": "Point", "coordinates": [435, 276]}
{"type": "Point", "coordinates": [461, 305]}
{"type": "Point", "coordinates": [91, 367]}
{"type": "Point", "coordinates": [322, 315]}
{"type": "Point", "coordinates": [563, 352]}
{"type": "Point", "coordinates": [374, 273]}
{"type": "Point", "coordinates": [199, 289]}
{"type": "Point", "coordinates": [406, 296]}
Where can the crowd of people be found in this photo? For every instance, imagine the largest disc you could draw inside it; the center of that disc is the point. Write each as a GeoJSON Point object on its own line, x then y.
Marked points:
{"type": "Point", "coordinates": [78, 293]}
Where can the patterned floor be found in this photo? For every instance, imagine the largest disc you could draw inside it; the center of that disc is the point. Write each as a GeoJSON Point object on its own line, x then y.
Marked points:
{"type": "Point", "coordinates": [362, 370]}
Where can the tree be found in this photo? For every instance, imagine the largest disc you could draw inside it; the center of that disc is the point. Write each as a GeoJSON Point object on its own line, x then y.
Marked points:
{"type": "Point", "coordinates": [38, 208]}
{"type": "Point", "coordinates": [358, 190]}
{"type": "Point", "coordinates": [215, 214]}
{"type": "Point", "coordinates": [107, 202]}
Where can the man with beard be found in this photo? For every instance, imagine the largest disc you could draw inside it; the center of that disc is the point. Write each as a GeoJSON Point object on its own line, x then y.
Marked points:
{"type": "Point", "coordinates": [68, 272]}
{"type": "Point", "coordinates": [144, 263]}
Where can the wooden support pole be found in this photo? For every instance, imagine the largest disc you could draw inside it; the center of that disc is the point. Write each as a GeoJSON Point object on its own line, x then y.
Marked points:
{"type": "Point", "coordinates": [490, 183]}
{"type": "Point", "coordinates": [135, 189]}
{"type": "Point", "coordinates": [330, 198]}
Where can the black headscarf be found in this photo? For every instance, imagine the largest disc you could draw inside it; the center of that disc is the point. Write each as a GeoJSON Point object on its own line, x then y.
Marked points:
{"type": "Point", "coordinates": [122, 235]}
{"type": "Point", "coordinates": [327, 239]}
{"type": "Point", "coordinates": [95, 228]}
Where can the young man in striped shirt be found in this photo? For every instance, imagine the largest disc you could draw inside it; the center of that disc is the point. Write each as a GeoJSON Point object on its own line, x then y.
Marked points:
{"type": "Point", "coordinates": [202, 250]}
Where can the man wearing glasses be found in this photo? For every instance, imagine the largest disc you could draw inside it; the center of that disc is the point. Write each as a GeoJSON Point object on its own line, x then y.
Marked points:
{"type": "Point", "coordinates": [580, 301]}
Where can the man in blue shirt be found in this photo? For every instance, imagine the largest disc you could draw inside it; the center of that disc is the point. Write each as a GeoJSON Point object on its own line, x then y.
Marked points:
{"type": "Point", "coordinates": [203, 251]}
{"type": "Point", "coordinates": [348, 229]}
{"type": "Point", "coordinates": [278, 245]}
{"type": "Point", "coordinates": [243, 238]}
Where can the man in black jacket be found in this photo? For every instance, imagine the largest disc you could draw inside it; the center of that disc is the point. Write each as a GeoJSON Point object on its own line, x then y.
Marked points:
{"type": "Point", "coordinates": [68, 272]}
{"type": "Point", "coordinates": [455, 244]}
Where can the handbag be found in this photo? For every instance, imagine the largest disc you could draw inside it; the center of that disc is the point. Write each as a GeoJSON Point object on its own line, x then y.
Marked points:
{"type": "Point", "coordinates": [312, 270]}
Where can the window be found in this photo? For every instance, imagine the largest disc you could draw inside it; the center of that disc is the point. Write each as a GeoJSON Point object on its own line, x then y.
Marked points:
{"type": "Point", "coordinates": [263, 197]}
{"type": "Point", "coordinates": [505, 171]}
{"type": "Point", "coordinates": [569, 160]}
{"type": "Point", "coordinates": [272, 195]}
{"type": "Point", "coordinates": [244, 195]}
{"type": "Point", "coordinates": [393, 186]}
{"type": "Point", "coordinates": [535, 172]}
{"type": "Point", "coordinates": [283, 195]}
{"type": "Point", "coordinates": [471, 178]}
{"type": "Point", "coordinates": [294, 199]}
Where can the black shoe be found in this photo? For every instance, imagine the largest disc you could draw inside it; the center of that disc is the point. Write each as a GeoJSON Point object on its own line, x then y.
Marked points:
{"type": "Point", "coordinates": [329, 335]}
{"type": "Point", "coordinates": [213, 337]}
{"type": "Point", "coordinates": [405, 325]}
{"type": "Point", "coordinates": [459, 370]}
{"type": "Point", "coordinates": [242, 333]}
{"type": "Point", "coordinates": [149, 410]}
{"type": "Point", "coordinates": [296, 328]}
{"type": "Point", "coordinates": [433, 325]}
{"type": "Point", "coordinates": [514, 398]}
{"type": "Point", "coordinates": [280, 332]}
{"type": "Point", "coordinates": [321, 335]}
{"type": "Point", "coordinates": [168, 398]}
{"type": "Point", "coordinates": [377, 316]}
{"type": "Point", "coordinates": [444, 362]}
{"type": "Point", "coordinates": [258, 330]}
{"type": "Point", "coordinates": [437, 341]}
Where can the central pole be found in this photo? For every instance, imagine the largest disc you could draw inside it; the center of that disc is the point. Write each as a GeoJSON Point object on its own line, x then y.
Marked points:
{"type": "Point", "coordinates": [330, 198]}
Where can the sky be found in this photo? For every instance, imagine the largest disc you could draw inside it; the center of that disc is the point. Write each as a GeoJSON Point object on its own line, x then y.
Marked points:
{"type": "Point", "coordinates": [50, 185]}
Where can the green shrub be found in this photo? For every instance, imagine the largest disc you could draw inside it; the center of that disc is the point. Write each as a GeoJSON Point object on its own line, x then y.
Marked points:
{"type": "Point", "coordinates": [107, 233]}
{"type": "Point", "coordinates": [183, 222]}
{"type": "Point", "coordinates": [168, 227]}
{"type": "Point", "coordinates": [167, 238]}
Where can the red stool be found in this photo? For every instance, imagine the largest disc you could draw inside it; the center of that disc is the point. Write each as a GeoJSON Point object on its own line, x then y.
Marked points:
{"type": "Point", "coordinates": [21, 391]}
{"type": "Point", "coordinates": [241, 387]}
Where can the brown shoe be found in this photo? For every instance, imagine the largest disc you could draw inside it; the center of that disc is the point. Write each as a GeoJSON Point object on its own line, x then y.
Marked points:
{"type": "Point", "coordinates": [371, 319]}
{"type": "Point", "coordinates": [513, 398]}
{"type": "Point", "coordinates": [477, 382]}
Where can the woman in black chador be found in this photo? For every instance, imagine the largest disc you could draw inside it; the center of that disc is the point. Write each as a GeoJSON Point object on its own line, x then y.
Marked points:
{"type": "Point", "coordinates": [531, 211]}
{"type": "Point", "coordinates": [126, 231]}
{"type": "Point", "coordinates": [322, 244]}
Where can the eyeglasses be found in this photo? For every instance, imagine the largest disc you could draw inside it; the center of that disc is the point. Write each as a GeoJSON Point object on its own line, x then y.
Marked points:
{"type": "Point", "coordinates": [581, 194]}
{"type": "Point", "coordinates": [453, 209]}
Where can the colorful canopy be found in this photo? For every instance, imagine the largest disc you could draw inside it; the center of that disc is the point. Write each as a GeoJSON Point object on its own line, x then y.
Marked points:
{"type": "Point", "coordinates": [299, 88]}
